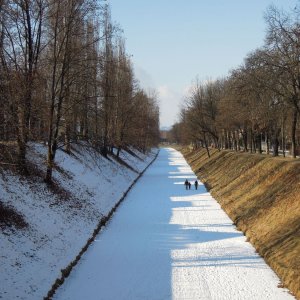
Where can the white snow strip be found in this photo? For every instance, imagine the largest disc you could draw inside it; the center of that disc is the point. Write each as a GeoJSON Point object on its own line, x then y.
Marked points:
{"type": "Point", "coordinates": [166, 242]}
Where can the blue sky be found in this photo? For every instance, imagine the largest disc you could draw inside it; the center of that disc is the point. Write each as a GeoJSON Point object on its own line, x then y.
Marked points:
{"type": "Point", "coordinates": [174, 41]}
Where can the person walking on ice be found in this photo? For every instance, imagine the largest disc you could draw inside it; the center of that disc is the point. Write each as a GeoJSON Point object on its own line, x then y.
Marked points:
{"type": "Point", "coordinates": [196, 185]}
{"type": "Point", "coordinates": [186, 183]}
{"type": "Point", "coordinates": [190, 185]}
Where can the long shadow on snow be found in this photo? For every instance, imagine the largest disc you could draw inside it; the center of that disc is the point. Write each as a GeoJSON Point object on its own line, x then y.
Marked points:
{"type": "Point", "coordinates": [166, 198]}
{"type": "Point", "coordinates": [181, 236]}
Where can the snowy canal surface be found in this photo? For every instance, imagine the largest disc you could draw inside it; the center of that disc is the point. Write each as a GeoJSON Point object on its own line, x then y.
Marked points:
{"type": "Point", "coordinates": [165, 242]}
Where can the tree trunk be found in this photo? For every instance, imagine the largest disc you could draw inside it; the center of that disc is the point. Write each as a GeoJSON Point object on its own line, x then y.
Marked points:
{"type": "Point", "coordinates": [229, 140]}
{"type": "Point", "coordinates": [67, 137]}
{"type": "Point", "coordinates": [226, 143]}
{"type": "Point", "coordinates": [245, 140]}
{"type": "Point", "coordinates": [21, 140]}
{"type": "Point", "coordinates": [268, 144]}
{"type": "Point", "coordinates": [259, 143]}
{"type": "Point", "coordinates": [238, 141]}
{"type": "Point", "coordinates": [275, 143]}
{"type": "Point", "coordinates": [206, 145]}
{"type": "Point", "coordinates": [50, 162]}
{"type": "Point", "coordinates": [294, 127]}
{"type": "Point", "coordinates": [283, 137]}
{"type": "Point", "coordinates": [22, 157]}
{"type": "Point", "coordinates": [251, 141]}
{"type": "Point", "coordinates": [118, 151]}
{"type": "Point", "coordinates": [235, 141]}
{"type": "Point", "coordinates": [275, 147]}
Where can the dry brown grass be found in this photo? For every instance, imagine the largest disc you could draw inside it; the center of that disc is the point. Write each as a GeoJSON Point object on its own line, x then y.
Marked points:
{"type": "Point", "coordinates": [261, 195]}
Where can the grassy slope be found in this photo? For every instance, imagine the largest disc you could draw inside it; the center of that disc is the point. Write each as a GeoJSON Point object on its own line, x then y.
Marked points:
{"type": "Point", "coordinates": [261, 194]}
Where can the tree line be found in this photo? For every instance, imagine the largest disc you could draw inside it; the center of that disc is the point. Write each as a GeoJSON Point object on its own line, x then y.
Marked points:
{"type": "Point", "coordinates": [65, 77]}
{"type": "Point", "coordinates": [256, 107]}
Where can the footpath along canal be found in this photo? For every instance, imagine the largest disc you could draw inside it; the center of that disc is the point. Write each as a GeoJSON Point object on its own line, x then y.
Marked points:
{"type": "Point", "coordinates": [166, 242]}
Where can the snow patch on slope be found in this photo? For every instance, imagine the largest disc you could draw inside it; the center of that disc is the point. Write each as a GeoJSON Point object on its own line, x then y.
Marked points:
{"type": "Point", "coordinates": [59, 223]}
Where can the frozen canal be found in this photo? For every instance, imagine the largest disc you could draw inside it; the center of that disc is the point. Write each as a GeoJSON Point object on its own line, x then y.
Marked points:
{"type": "Point", "coordinates": [165, 242]}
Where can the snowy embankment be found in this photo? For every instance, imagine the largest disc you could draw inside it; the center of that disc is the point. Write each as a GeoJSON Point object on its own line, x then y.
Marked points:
{"type": "Point", "coordinates": [60, 219]}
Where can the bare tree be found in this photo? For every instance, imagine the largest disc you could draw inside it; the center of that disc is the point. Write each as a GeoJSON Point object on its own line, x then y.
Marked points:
{"type": "Point", "coordinates": [65, 19]}
{"type": "Point", "coordinates": [282, 56]}
{"type": "Point", "coordinates": [65, 76]}
{"type": "Point", "coordinates": [21, 38]}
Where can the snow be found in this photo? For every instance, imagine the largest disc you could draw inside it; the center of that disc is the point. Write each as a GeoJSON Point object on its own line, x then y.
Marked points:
{"type": "Point", "coordinates": [59, 226]}
{"type": "Point", "coordinates": [165, 242]}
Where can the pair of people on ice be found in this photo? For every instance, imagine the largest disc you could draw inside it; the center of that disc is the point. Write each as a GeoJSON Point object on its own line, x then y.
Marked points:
{"type": "Point", "coordinates": [188, 184]}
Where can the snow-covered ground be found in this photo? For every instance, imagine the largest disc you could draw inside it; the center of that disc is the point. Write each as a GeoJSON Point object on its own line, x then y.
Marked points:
{"type": "Point", "coordinates": [165, 242]}
{"type": "Point", "coordinates": [61, 223]}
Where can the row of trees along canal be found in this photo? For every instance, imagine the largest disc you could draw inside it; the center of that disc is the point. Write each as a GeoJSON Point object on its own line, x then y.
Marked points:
{"type": "Point", "coordinates": [65, 77]}
{"type": "Point", "coordinates": [257, 106]}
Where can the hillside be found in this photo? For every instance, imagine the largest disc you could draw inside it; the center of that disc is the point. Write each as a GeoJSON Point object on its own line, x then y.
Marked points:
{"type": "Point", "coordinates": [44, 228]}
{"type": "Point", "coordinates": [261, 194]}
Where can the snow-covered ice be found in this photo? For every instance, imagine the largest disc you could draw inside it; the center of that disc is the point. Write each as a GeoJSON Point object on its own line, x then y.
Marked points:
{"type": "Point", "coordinates": [165, 242]}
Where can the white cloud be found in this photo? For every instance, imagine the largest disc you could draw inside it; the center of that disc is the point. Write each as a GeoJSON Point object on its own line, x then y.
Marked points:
{"type": "Point", "coordinates": [164, 91]}
{"type": "Point", "coordinates": [170, 100]}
